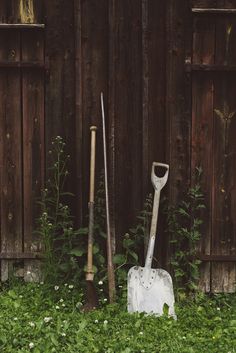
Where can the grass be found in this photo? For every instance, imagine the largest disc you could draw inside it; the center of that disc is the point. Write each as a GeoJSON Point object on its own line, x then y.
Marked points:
{"type": "Point", "coordinates": [35, 318]}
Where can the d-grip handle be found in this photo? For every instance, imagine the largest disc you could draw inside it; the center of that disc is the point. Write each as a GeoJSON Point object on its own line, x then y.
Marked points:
{"type": "Point", "coordinates": [159, 182]}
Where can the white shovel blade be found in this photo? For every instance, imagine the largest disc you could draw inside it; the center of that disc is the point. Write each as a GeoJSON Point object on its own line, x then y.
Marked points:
{"type": "Point", "coordinates": [149, 290]}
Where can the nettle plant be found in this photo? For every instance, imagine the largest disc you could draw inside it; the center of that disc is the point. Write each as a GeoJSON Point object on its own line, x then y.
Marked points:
{"type": "Point", "coordinates": [184, 224]}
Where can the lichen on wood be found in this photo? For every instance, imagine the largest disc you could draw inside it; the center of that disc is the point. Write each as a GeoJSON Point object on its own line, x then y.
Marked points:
{"type": "Point", "coordinates": [26, 11]}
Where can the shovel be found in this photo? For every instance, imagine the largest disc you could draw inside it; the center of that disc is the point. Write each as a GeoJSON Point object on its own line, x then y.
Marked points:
{"type": "Point", "coordinates": [150, 290]}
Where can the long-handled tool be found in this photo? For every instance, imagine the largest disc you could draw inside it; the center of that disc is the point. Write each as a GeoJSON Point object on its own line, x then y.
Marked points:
{"type": "Point", "coordinates": [110, 266]}
{"type": "Point", "coordinates": [91, 301]}
{"type": "Point", "coordinates": [150, 289]}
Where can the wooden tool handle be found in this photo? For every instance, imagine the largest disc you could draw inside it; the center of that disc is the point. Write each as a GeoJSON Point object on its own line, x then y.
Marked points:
{"type": "Point", "coordinates": [90, 274]}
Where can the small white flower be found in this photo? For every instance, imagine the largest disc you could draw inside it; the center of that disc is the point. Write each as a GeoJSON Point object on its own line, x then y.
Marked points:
{"type": "Point", "coordinates": [56, 287]}
{"type": "Point", "coordinates": [32, 324]}
{"type": "Point", "coordinates": [78, 305]}
{"type": "Point", "coordinates": [57, 307]}
{"type": "Point", "coordinates": [218, 309]}
{"type": "Point", "coordinates": [65, 284]}
{"type": "Point", "coordinates": [96, 321]}
{"type": "Point", "coordinates": [120, 286]}
{"type": "Point", "coordinates": [61, 300]}
{"type": "Point", "coordinates": [41, 283]}
{"type": "Point", "coordinates": [28, 273]}
{"type": "Point", "coordinates": [63, 305]}
{"type": "Point", "coordinates": [101, 290]}
{"type": "Point", "coordinates": [21, 296]}
{"type": "Point", "coordinates": [141, 333]}
{"type": "Point", "coordinates": [63, 334]}
{"type": "Point", "coordinates": [105, 299]}
{"type": "Point", "coordinates": [71, 286]}
{"type": "Point", "coordinates": [100, 283]}
{"type": "Point", "coordinates": [15, 318]}
{"type": "Point", "coordinates": [142, 351]}
{"type": "Point", "coordinates": [31, 345]}
{"type": "Point", "coordinates": [64, 321]}
{"type": "Point", "coordinates": [184, 338]}
{"type": "Point", "coordinates": [105, 322]}
{"type": "Point", "coordinates": [47, 319]}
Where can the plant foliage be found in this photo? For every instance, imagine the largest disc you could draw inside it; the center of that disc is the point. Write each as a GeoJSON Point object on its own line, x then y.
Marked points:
{"type": "Point", "coordinates": [184, 224]}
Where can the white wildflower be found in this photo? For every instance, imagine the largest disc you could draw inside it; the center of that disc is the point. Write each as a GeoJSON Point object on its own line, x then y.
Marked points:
{"type": "Point", "coordinates": [96, 321]}
{"type": "Point", "coordinates": [63, 305]}
{"type": "Point", "coordinates": [65, 284]}
{"type": "Point", "coordinates": [218, 309]}
{"type": "Point", "coordinates": [56, 287]}
{"type": "Point", "coordinates": [141, 333]}
{"type": "Point", "coordinates": [15, 318]}
{"type": "Point", "coordinates": [63, 334]}
{"type": "Point", "coordinates": [71, 286]}
{"type": "Point", "coordinates": [47, 319]}
{"type": "Point", "coordinates": [100, 283]}
{"type": "Point", "coordinates": [57, 307]}
{"type": "Point", "coordinates": [20, 296]}
{"type": "Point", "coordinates": [120, 286]}
{"type": "Point", "coordinates": [61, 300]}
{"type": "Point", "coordinates": [31, 345]}
{"type": "Point", "coordinates": [105, 322]}
{"type": "Point", "coordinates": [41, 283]}
{"type": "Point", "coordinates": [105, 299]}
{"type": "Point", "coordinates": [32, 324]}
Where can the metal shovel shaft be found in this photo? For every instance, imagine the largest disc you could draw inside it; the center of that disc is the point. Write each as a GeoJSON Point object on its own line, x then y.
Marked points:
{"type": "Point", "coordinates": [151, 243]}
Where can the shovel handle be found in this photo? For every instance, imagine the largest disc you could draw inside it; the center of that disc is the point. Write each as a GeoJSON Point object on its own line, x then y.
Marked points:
{"type": "Point", "coordinates": [89, 273]}
{"type": "Point", "coordinates": [158, 184]}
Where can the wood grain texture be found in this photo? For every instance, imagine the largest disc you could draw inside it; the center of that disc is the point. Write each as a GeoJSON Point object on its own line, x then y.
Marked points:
{"type": "Point", "coordinates": [11, 153]}
{"type": "Point", "coordinates": [33, 145]}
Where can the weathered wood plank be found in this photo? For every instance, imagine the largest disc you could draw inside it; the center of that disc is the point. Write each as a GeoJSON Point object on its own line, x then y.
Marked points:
{"type": "Point", "coordinates": [94, 56]}
{"type": "Point", "coordinates": [128, 112]}
{"type": "Point", "coordinates": [60, 81]}
{"type": "Point", "coordinates": [10, 153]}
{"type": "Point", "coordinates": [203, 41]}
{"type": "Point", "coordinates": [155, 131]}
{"type": "Point", "coordinates": [202, 155]}
{"type": "Point", "coordinates": [177, 111]}
{"type": "Point", "coordinates": [33, 145]}
{"type": "Point", "coordinates": [223, 275]}
{"type": "Point", "coordinates": [78, 113]}
{"type": "Point", "coordinates": [113, 26]}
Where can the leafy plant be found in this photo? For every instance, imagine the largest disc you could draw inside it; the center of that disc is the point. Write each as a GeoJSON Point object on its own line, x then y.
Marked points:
{"type": "Point", "coordinates": [55, 225]}
{"type": "Point", "coordinates": [184, 224]}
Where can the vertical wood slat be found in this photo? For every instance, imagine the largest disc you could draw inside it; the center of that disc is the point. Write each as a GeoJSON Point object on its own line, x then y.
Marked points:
{"type": "Point", "coordinates": [94, 61]}
{"type": "Point", "coordinates": [223, 213]}
{"type": "Point", "coordinates": [33, 145]}
{"type": "Point", "coordinates": [11, 152]}
{"type": "Point", "coordinates": [112, 60]}
{"type": "Point", "coordinates": [177, 111]}
{"type": "Point", "coordinates": [153, 100]}
{"type": "Point", "coordinates": [202, 130]}
{"type": "Point", "coordinates": [78, 111]}
{"type": "Point", "coordinates": [127, 102]}
{"type": "Point", "coordinates": [60, 81]}
{"type": "Point", "coordinates": [202, 154]}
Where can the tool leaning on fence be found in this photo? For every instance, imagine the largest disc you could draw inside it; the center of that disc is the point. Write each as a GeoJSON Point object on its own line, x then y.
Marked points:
{"type": "Point", "coordinates": [91, 300]}
{"type": "Point", "coordinates": [150, 289]}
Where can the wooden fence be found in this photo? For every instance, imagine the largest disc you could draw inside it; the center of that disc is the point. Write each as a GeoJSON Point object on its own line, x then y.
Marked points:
{"type": "Point", "coordinates": [167, 70]}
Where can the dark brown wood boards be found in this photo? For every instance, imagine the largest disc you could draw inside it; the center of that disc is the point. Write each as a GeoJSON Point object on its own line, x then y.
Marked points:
{"type": "Point", "coordinates": [164, 67]}
{"type": "Point", "coordinates": [22, 136]}
{"type": "Point", "coordinates": [213, 125]}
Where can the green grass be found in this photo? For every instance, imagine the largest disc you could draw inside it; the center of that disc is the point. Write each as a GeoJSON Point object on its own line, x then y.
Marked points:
{"type": "Point", "coordinates": [34, 318]}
